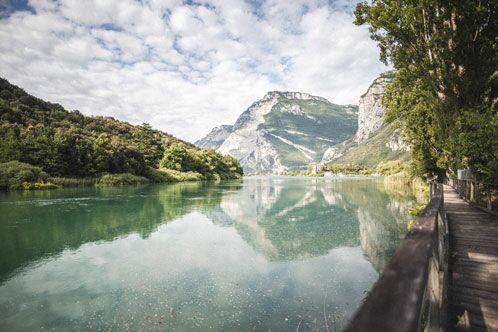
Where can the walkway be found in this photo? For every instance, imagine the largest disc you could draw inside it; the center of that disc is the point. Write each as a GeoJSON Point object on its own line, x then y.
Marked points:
{"type": "Point", "coordinates": [473, 269]}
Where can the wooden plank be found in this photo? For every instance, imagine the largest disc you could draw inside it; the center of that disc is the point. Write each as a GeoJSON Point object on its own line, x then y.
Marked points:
{"type": "Point", "coordinates": [473, 292]}
{"type": "Point", "coordinates": [475, 257]}
{"type": "Point", "coordinates": [470, 264]}
{"type": "Point", "coordinates": [475, 322]}
{"type": "Point", "coordinates": [464, 298]}
{"type": "Point", "coordinates": [476, 318]}
{"type": "Point", "coordinates": [466, 241]}
{"type": "Point", "coordinates": [474, 284]}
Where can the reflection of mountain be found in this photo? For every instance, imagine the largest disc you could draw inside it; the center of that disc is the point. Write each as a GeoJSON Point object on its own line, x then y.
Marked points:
{"type": "Point", "coordinates": [35, 225]}
{"type": "Point", "coordinates": [382, 216]}
{"type": "Point", "coordinates": [296, 218]}
{"type": "Point", "coordinates": [280, 217]}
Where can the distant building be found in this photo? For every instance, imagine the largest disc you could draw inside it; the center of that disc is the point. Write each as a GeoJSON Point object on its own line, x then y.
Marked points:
{"type": "Point", "coordinates": [464, 174]}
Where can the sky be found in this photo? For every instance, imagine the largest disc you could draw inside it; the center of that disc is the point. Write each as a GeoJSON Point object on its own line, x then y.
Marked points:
{"type": "Point", "coordinates": [183, 66]}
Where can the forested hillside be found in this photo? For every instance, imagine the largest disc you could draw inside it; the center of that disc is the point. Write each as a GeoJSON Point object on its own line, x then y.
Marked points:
{"type": "Point", "coordinates": [69, 144]}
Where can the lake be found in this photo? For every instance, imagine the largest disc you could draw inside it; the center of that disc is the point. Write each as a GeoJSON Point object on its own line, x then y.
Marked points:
{"type": "Point", "coordinates": [265, 253]}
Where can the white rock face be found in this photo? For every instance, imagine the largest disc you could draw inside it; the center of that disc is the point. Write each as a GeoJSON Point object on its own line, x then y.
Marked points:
{"type": "Point", "coordinates": [330, 154]}
{"type": "Point", "coordinates": [294, 95]}
{"type": "Point", "coordinates": [248, 144]}
{"type": "Point", "coordinates": [370, 120]}
{"type": "Point", "coordinates": [215, 138]}
{"type": "Point", "coordinates": [396, 143]}
{"type": "Point", "coordinates": [370, 110]}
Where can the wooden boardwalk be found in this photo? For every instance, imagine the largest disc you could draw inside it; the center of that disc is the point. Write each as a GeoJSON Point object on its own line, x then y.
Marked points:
{"type": "Point", "coordinates": [473, 266]}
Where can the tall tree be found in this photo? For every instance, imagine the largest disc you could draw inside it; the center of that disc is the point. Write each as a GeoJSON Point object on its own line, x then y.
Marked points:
{"type": "Point", "coordinates": [444, 89]}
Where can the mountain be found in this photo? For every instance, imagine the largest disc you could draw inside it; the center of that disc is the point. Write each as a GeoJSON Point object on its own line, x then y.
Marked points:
{"type": "Point", "coordinates": [285, 130]}
{"type": "Point", "coordinates": [215, 138]}
{"type": "Point", "coordinates": [374, 141]}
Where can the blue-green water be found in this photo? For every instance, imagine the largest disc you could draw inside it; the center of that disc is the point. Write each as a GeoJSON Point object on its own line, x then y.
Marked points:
{"type": "Point", "coordinates": [267, 253]}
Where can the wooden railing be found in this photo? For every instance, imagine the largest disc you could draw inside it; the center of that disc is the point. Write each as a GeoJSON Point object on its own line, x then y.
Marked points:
{"type": "Point", "coordinates": [478, 194]}
{"type": "Point", "coordinates": [410, 294]}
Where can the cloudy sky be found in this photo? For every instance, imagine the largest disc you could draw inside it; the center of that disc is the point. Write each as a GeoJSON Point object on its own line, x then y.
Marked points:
{"type": "Point", "coordinates": [183, 67]}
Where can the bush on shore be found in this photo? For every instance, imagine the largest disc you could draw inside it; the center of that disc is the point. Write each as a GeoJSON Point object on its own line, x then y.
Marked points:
{"type": "Point", "coordinates": [392, 167]}
{"type": "Point", "coordinates": [16, 175]}
{"type": "Point", "coordinates": [72, 182]}
{"type": "Point", "coordinates": [120, 179]}
{"type": "Point", "coordinates": [177, 176]}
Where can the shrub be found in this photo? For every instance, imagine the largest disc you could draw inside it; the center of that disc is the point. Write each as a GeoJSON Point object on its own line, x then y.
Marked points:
{"type": "Point", "coordinates": [120, 179]}
{"type": "Point", "coordinates": [72, 182]}
{"type": "Point", "coordinates": [177, 176]}
{"type": "Point", "coordinates": [391, 167]}
{"type": "Point", "coordinates": [17, 175]}
{"type": "Point", "coordinates": [39, 185]}
{"type": "Point", "coordinates": [347, 169]}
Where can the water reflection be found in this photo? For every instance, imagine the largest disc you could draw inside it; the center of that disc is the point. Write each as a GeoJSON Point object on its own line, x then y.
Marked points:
{"type": "Point", "coordinates": [289, 219]}
{"type": "Point", "coordinates": [39, 224]}
{"type": "Point", "coordinates": [269, 253]}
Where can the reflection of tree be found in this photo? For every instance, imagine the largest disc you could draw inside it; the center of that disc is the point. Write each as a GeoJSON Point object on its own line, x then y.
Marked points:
{"type": "Point", "coordinates": [47, 223]}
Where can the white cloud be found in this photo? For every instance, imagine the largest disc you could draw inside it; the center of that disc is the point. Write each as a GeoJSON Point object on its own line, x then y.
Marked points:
{"type": "Point", "coordinates": [184, 68]}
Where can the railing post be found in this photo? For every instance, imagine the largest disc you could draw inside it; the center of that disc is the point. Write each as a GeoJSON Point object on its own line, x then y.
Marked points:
{"type": "Point", "coordinates": [488, 198]}
{"type": "Point", "coordinates": [478, 194]}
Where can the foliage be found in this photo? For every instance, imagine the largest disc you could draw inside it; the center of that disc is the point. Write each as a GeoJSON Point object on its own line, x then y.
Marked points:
{"type": "Point", "coordinates": [444, 90]}
{"type": "Point", "coordinates": [72, 182]}
{"type": "Point", "coordinates": [405, 178]}
{"type": "Point", "coordinates": [347, 169]}
{"type": "Point", "coordinates": [177, 176]}
{"type": "Point", "coordinates": [120, 179]}
{"type": "Point", "coordinates": [67, 145]}
{"type": "Point", "coordinates": [17, 175]}
{"type": "Point", "coordinates": [417, 209]}
{"type": "Point", "coordinates": [207, 162]}
{"type": "Point", "coordinates": [391, 167]}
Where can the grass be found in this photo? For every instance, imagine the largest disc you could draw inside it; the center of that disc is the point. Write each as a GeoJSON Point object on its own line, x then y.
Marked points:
{"type": "Point", "coordinates": [372, 151]}
{"type": "Point", "coordinates": [72, 182]}
{"type": "Point", "coordinates": [419, 186]}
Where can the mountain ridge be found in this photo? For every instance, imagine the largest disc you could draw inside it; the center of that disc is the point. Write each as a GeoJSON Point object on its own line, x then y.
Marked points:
{"type": "Point", "coordinates": [266, 137]}
{"type": "Point", "coordinates": [284, 130]}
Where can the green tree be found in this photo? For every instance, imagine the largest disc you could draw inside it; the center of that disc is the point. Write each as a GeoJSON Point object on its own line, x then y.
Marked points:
{"type": "Point", "coordinates": [9, 142]}
{"type": "Point", "coordinates": [148, 142]}
{"type": "Point", "coordinates": [177, 157]}
{"type": "Point", "coordinates": [445, 56]}
{"type": "Point", "coordinates": [103, 153]}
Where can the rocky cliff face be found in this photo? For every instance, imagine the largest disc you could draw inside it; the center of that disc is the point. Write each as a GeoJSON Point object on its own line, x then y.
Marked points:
{"type": "Point", "coordinates": [374, 141]}
{"type": "Point", "coordinates": [215, 138]}
{"type": "Point", "coordinates": [285, 130]}
{"type": "Point", "coordinates": [370, 109]}
{"type": "Point", "coordinates": [248, 144]}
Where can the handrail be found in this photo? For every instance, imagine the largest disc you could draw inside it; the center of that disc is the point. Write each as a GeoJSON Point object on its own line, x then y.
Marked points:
{"type": "Point", "coordinates": [411, 292]}
{"type": "Point", "coordinates": [476, 193]}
